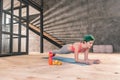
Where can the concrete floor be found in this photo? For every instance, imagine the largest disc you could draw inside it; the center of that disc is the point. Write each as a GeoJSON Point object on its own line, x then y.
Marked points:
{"type": "Point", "coordinates": [35, 67]}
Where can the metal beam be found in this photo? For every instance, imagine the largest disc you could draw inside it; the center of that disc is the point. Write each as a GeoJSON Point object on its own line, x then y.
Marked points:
{"type": "Point", "coordinates": [13, 15]}
{"type": "Point", "coordinates": [11, 27]}
{"type": "Point", "coordinates": [19, 32]}
{"type": "Point", "coordinates": [32, 4]}
{"type": "Point", "coordinates": [13, 23]}
{"type": "Point", "coordinates": [27, 29]}
{"type": "Point", "coordinates": [15, 8]}
{"type": "Point", "coordinates": [1, 8]}
{"type": "Point", "coordinates": [8, 33]}
{"type": "Point", "coordinates": [41, 28]}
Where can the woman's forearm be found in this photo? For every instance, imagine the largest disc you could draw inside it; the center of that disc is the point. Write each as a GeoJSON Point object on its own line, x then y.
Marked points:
{"type": "Point", "coordinates": [85, 62]}
{"type": "Point", "coordinates": [76, 56]}
{"type": "Point", "coordinates": [81, 61]}
{"type": "Point", "coordinates": [86, 55]}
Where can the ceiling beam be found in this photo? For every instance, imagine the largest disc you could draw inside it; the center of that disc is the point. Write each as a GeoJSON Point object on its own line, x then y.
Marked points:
{"type": "Point", "coordinates": [31, 4]}
{"type": "Point", "coordinates": [17, 7]}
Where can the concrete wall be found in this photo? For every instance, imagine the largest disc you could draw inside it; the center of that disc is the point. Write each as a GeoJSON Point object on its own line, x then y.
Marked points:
{"type": "Point", "coordinates": [100, 18]}
{"type": "Point", "coordinates": [105, 25]}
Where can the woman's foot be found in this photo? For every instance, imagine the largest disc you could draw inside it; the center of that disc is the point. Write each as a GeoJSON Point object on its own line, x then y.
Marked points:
{"type": "Point", "coordinates": [97, 61]}
{"type": "Point", "coordinates": [54, 55]}
{"type": "Point", "coordinates": [89, 62]}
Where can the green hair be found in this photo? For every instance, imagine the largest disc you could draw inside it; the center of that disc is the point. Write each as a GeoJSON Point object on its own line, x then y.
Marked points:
{"type": "Point", "coordinates": [88, 38]}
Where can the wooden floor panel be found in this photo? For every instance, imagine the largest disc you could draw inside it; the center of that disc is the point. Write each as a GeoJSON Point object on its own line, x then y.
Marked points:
{"type": "Point", "coordinates": [35, 67]}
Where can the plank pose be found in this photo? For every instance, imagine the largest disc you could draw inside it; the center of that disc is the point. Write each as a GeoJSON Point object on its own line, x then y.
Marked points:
{"type": "Point", "coordinates": [77, 48]}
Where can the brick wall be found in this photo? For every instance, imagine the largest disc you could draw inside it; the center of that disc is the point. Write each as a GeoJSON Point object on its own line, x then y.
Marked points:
{"type": "Point", "coordinates": [34, 43]}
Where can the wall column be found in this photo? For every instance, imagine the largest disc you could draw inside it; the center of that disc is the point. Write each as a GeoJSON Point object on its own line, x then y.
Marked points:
{"type": "Point", "coordinates": [1, 8]}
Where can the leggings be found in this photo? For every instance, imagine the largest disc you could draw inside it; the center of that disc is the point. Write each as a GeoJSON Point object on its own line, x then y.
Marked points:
{"type": "Point", "coordinates": [63, 50]}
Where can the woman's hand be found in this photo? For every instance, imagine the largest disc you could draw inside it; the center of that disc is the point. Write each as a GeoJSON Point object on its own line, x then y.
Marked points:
{"type": "Point", "coordinates": [95, 61]}
{"type": "Point", "coordinates": [88, 62]}
{"type": "Point", "coordinates": [84, 61]}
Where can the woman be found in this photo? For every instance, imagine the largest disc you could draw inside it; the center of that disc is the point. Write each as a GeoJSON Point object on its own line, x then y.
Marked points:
{"type": "Point", "coordinates": [77, 48]}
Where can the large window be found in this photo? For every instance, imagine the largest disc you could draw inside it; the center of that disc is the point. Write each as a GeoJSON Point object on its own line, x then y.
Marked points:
{"type": "Point", "coordinates": [14, 28]}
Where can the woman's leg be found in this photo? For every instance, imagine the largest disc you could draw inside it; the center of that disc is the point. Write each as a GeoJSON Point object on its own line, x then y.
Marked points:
{"type": "Point", "coordinates": [63, 50]}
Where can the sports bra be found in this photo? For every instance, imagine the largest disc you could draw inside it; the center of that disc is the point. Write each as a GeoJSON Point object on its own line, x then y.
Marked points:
{"type": "Point", "coordinates": [80, 48]}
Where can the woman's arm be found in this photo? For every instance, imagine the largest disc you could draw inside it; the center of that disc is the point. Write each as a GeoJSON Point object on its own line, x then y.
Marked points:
{"type": "Point", "coordinates": [83, 61]}
{"type": "Point", "coordinates": [86, 55]}
{"type": "Point", "coordinates": [95, 61]}
{"type": "Point", "coordinates": [76, 53]}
